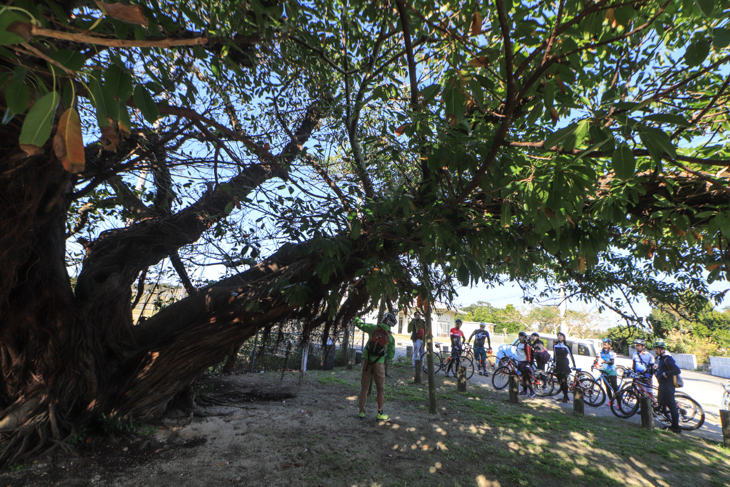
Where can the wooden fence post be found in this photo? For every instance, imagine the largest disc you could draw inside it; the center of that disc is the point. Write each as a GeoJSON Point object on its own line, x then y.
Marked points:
{"type": "Point", "coordinates": [417, 379]}
{"type": "Point", "coordinates": [647, 415]}
{"type": "Point", "coordinates": [461, 385]}
{"type": "Point", "coordinates": [578, 404]}
{"type": "Point", "coordinates": [514, 389]}
{"type": "Point", "coordinates": [725, 421]}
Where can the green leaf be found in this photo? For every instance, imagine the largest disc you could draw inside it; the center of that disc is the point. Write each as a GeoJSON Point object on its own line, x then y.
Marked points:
{"type": "Point", "coordinates": [17, 96]}
{"type": "Point", "coordinates": [668, 118]}
{"type": "Point", "coordinates": [657, 142]}
{"type": "Point", "coordinates": [355, 231]}
{"type": "Point", "coordinates": [697, 52]}
{"type": "Point", "coordinates": [119, 82]}
{"type": "Point", "coordinates": [39, 121]}
{"type": "Point", "coordinates": [146, 105]}
{"type": "Point", "coordinates": [720, 37]}
{"type": "Point", "coordinates": [73, 60]}
{"type": "Point", "coordinates": [624, 163]}
{"type": "Point", "coordinates": [569, 137]}
{"type": "Point", "coordinates": [7, 18]}
{"type": "Point", "coordinates": [454, 103]}
{"type": "Point", "coordinates": [706, 6]}
{"type": "Point", "coordinates": [103, 100]}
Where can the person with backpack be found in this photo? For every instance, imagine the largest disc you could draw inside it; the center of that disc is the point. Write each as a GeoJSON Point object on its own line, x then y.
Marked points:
{"type": "Point", "coordinates": [417, 328]}
{"type": "Point", "coordinates": [562, 367]}
{"type": "Point", "coordinates": [665, 370]}
{"type": "Point", "coordinates": [457, 340]}
{"type": "Point", "coordinates": [380, 347]}
{"type": "Point", "coordinates": [523, 351]}
{"type": "Point", "coordinates": [643, 364]}
{"type": "Point", "coordinates": [480, 353]}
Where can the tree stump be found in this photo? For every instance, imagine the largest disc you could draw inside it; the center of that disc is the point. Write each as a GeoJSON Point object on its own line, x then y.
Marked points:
{"type": "Point", "coordinates": [647, 416]}
{"type": "Point", "coordinates": [578, 404]}
{"type": "Point", "coordinates": [461, 387]}
{"type": "Point", "coordinates": [514, 389]}
{"type": "Point", "coordinates": [725, 421]}
{"type": "Point", "coordinates": [417, 379]}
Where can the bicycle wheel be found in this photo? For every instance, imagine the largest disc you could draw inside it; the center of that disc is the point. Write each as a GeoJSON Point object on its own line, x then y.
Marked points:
{"type": "Point", "coordinates": [691, 414]}
{"type": "Point", "coordinates": [555, 384]}
{"type": "Point", "coordinates": [625, 404]}
{"type": "Point", "coordinates": [500, 378]}
{"type": "Point", "coordinates": [436, 362]}
{"type": "Point", "coordinates": [543, 385]}
{"type": "Point", "coordinates": [468, 364]}
{"type": "Point", "coordinates": [593, 393]}
{"type": "Point", "coordinates": [491, 364]}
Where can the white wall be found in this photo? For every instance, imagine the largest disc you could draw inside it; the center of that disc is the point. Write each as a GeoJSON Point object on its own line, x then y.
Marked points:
{"type": "Point", "coordinates": [720, 366]}
{"type": "Point", "coordinates": [685, 361]}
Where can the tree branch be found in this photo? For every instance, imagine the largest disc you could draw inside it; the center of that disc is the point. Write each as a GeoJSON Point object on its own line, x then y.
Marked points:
{"type": "Point", "coordinates": [101, 41]}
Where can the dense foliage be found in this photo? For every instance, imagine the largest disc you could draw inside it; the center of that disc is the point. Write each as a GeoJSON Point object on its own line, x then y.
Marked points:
{"type": "Point", "coordinates": [327, 149]}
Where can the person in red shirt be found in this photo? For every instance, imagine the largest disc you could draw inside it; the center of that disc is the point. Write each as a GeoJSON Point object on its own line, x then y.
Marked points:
{"type": "Point", "coordinates": [457, 340]}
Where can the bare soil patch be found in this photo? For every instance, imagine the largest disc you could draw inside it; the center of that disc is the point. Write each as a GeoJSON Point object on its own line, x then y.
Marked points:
{"type": "Point", "coordinates": [306, 433]}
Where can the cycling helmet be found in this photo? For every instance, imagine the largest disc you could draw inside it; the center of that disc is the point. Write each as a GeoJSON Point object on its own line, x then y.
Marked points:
{"type": "Point", "coordinates": [660, 344]}
{"type": "Point", "coordinates": [389, 319]}
{"type": "Point", "coordinates": [607, 340]}
{"type": "Point", "coordinates": [458, 321]}
{"type": "Point", "coordinates": [640, 341]}
{"type": "Point", "coordinates": [536, 335]}
{"type": "Point", "coordinates": [522, 334]}
{"type": "Point", "coordinates": [482, 325]}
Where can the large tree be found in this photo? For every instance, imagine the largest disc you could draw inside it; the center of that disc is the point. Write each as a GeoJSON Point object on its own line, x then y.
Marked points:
{"type": "Point", "coordinates": [327, 149]}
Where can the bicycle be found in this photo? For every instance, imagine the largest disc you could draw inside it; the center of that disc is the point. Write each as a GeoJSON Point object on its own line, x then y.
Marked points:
{"type": "Point", "coordinates": [593, 393]}
{"type": "Point", "coordinates": [440, 363]}
{"type": "Point", "coordinates": [691, 414]}
{"type": "Point", "coordinates": [491, 360]}
{"type": "Point", "coordinates": [461, 360]}
{"type": "Point", "coordinates": [725, 403]}
{"type": "Point", "coordinates": [606, 385]}
{"type": "Point", "coordinates": [540, 381]}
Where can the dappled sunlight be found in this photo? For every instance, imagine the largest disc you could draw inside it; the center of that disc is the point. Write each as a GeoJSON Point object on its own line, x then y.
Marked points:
{"type": "Point", "coordinates": [395, 426]}
{"type": "Point", "coordinates": [435, 468]}
{"type": "Point", "coordinates": [439, 429]}
{"type": "Point", "coordinates": [351, 398]}
{"type": "Point", "coordinates": [483, 482]}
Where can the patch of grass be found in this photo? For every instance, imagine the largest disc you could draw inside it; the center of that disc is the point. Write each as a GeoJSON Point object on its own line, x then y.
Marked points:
{"type": "Point", "coordinates": [328, 379]}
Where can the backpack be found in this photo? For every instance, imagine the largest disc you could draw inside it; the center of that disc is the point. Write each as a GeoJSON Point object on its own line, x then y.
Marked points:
{"type": "Point", "coordinates": [377, 346]}
{"type": "Point", "coordinates": [544, 356]}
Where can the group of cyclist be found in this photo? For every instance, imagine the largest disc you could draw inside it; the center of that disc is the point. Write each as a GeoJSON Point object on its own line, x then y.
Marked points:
{"type": "Point", "coordinates": [480, 336]}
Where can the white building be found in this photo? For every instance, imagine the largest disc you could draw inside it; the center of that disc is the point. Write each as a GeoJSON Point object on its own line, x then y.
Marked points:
{"type": "Point", "coordinates": [442, 320]}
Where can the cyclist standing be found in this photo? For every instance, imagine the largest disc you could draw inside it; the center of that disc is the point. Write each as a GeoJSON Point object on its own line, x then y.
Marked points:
{"type": "Point", "coordinates": [537, 347]}
{"type": "Point", "coordinates": [643, 363]}
{"type": "Point", "coordinates": [416, 328]}
{"type": "Point", "coordinates": [562, 368]}
{"type": "Point", "coordinates": [479, 352]}
{"type": "Point", "coordinates": [380, 347]}
{"type": "Point", "coordinates": [666, 368]}
{"type": "Point", "coordinates": [457, 340]}
{"type": "Point", "coordinates": [607, 367]}
{"type": "Point", "coordinates": [524, 360]}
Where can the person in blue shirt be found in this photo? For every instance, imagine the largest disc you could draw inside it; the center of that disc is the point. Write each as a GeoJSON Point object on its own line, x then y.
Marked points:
{"type": "Point", "coordinates": [480, 353]}
{"type": "Point", "coordinates": [665, 370]}
{"type": "Point", "coordinates": [607, 366]}
{"type": "Point", "coordinates": [643, 364]}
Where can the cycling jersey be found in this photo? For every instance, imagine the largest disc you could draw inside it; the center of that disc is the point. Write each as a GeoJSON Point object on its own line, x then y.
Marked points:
{"type": "Point", "coordinates": [643, 363]}
{"type": "Point", "coordinates": [479, 337]}
{"type": "Point", "coordinates": [523, 352]}
{"type": "Point", "coordinates": [609, 365]}
{"type": "Point", "coordinates": [457, 338]}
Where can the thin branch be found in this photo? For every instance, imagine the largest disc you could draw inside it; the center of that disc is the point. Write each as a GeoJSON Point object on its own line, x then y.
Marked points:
{"type": "Point", "coordinates": [409, 54]}
{"type": "Point", "coordinates": [101, 41]}
{"type": "Point", "coordinates": [182, 272]}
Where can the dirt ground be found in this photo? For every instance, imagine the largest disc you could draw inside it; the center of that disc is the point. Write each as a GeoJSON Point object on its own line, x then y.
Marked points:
{"type": "Point", "coordinates": [305, 432]}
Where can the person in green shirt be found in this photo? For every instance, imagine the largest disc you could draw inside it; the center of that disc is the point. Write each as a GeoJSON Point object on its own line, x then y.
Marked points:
{"type": "Point", "coordinates": [376, 352]}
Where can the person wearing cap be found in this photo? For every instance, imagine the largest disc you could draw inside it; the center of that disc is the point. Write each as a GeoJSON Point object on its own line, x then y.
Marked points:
{"type": "Point", "coordinates": [457, 340]}
{"type": "Point", "coordinates": [375, 366]}
{"type": "Point", "coordinates": [480, 353]}
{"type": "Point", "coordinates": [562, 366]}
{"type": "Point", "coordinates": [523, 351]}
{"type": "Point", "coordinates": [417, 328]}
{"type": "Point", "coordinates": [607, 366]}
{"type": "Point", "coordinates": [643, 364]}
{"type": "Point", "coordinates": [665, 370]}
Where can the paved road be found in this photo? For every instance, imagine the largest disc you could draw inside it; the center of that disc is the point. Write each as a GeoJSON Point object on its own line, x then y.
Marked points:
{"type": "Point", "coordinates": [702, 387]}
